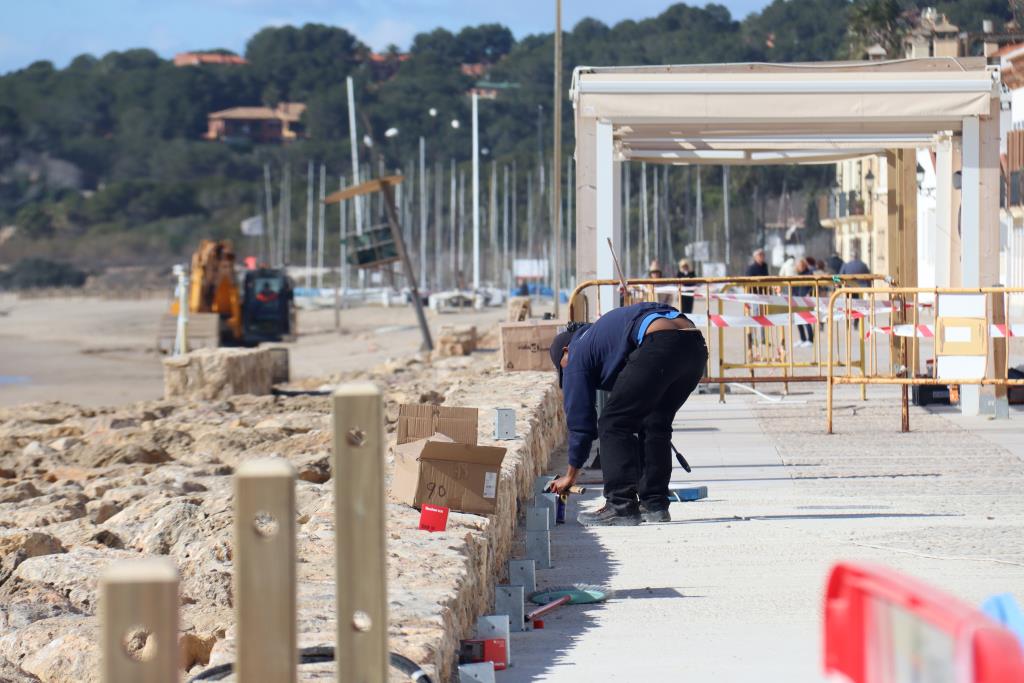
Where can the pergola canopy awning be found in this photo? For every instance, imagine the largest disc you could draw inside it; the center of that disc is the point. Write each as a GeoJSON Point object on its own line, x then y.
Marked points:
{"type": "Point", "coordinates": [778, 114]}
{"type": "Point", "coordinates": [775, 114]}
{"type": "Point", "coordinates": [739, 157]}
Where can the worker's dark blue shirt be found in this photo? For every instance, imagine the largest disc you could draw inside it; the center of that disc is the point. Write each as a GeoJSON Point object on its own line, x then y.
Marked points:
{"type": "Point", "coordinates": [596, 357]}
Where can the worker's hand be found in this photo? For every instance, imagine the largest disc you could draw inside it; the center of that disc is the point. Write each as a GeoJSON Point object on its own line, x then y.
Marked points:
{"type": "Point", "coordinates": [562, 484]}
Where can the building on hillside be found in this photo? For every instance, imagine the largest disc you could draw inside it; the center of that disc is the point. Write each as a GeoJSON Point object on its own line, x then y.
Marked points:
{"type": "Point", "coordinates": [857, 208]}
{"type": "Point", "coordinates": [201, 58]}
{"type": "Point", "coordinates": [933, 36]}
{"type": "Point", "coordinates": [476, 69]}
{"type": "Point", "coordinates": [282, 123]}
{"type": "Point", "coordinates": [489, 90]}
{"type": "Point", "coordinates": [384, 65]}
{"type": "Point", "coordinates": [875, 53]}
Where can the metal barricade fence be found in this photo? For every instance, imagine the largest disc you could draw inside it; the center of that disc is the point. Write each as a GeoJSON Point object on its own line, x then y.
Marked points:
{"type": "Point", "coordinates": [771, 311]}
{"type": "Point", "coordinates": [956, 325]}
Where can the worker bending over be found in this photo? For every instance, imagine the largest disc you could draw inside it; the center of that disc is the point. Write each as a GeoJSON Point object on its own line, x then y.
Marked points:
{"type": "Point", "coordinates": [650, 357]}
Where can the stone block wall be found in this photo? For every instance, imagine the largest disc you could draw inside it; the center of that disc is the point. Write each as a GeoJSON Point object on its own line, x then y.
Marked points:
{"type": "Point", "coordinates": [81, 488]}
{"type": "Point", "coordinates": [213, 374]}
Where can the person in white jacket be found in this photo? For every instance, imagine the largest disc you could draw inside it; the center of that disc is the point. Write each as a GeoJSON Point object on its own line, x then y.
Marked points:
{"type": "Point", "coordinates": [788, 267]}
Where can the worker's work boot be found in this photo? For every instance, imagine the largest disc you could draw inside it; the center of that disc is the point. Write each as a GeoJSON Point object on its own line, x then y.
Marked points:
{"type": "Point", "coordinates": [656, 516]}
{"type": "Point", "coordinates": [607, 516]}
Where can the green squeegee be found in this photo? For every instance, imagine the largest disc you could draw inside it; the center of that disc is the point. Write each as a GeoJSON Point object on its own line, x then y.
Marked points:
{"type": "Point", "coordinates": [578, 595]}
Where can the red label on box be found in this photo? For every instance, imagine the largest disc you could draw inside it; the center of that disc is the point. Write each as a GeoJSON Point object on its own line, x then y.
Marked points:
{"type": "Point", "coordinates": [433, 517]}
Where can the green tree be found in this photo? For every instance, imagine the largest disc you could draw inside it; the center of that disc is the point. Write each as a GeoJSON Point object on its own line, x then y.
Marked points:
{"type": "Point", "coordinates": [798, 30]}
{"type": "Point", "coordinates": [884, 22]}
{"type": "Point", "coordinates": [301, 61]}
{"type": "Point", "coordinates": [967, 15]}
{"type": "Point", "coordinates": [484, 43]}
{"type": "Point", "coordinates": [34, 221]}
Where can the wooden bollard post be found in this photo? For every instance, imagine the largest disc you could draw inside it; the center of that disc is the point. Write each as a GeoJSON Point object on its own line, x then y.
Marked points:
{"type": "Point", "coordinates": [265, 571]}
{"type": "Point", "coordinates": [139, 615]}
{"type": "Point", "coordinates": [361, 652]}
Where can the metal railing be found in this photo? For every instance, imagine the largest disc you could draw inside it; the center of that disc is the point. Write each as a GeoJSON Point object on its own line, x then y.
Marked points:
{"type": "Point", "coordinates": [772, 310]}
{"type": "Point", "coordinates": [918, 323]}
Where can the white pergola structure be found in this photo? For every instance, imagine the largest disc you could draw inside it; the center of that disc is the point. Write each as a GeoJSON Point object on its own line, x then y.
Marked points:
{"type": "Point", "coordinates": [771, 114]}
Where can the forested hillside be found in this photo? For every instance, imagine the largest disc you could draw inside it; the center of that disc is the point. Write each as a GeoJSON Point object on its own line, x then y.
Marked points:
{"type": "Point", "coordinates": [102, 162]}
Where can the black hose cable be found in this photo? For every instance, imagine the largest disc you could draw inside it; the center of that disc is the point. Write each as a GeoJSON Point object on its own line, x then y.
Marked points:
{"type": "Point", "coordinates": [315, 655]}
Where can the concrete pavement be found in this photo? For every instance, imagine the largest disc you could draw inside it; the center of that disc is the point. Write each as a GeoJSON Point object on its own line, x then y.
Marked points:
{"type": "Point", "coordinates": [731, 590]}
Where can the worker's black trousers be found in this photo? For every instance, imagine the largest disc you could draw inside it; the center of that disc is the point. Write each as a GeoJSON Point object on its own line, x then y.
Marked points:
{"type": "Point", "coordinates": [635, 426]}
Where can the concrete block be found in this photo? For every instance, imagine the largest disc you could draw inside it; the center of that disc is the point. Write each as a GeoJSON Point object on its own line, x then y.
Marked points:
{"type": "Point", "coordinates": [480, 672]}
{"type": "Point", "coordinates": [540, 483]}
{"type": "Point", "coordinates": [538, 519]}
{"type": "Point", "coordinates": [496, 626]}
{"type": "Point", "coordinates": [511, 600]}
{"type": "Point", "coordinates": [523, 573]}
{"type": "Point", "coordinates": [538, 548]}
{"type": "Point", "coordinates": [550, 501]}
{"type": "Point", "coordinates": [504, 423]}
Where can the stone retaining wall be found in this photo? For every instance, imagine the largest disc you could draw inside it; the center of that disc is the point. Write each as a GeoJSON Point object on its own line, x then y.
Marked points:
{"type": "Point", "coordinates": [82, 487]}
{"type": "Point", "coordinates": [540, 425]}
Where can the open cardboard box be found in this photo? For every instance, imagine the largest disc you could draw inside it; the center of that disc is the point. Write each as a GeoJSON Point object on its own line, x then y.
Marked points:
{"type": "Point", "coordinates": [422, 420]}
{"type": "Point", "coordinates": [437, 470]}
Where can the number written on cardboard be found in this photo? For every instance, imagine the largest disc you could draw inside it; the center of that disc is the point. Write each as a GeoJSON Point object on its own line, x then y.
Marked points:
{"type": "Point", "coordinates": [434, 488]}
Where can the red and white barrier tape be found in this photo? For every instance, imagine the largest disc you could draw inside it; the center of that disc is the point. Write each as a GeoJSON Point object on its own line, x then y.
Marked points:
{"type": "Point", "coordinates": [928, 331]}
{"type": "Point", "coordinates": [770, 320]}
{"type": "Point", "coordinates": [778, 299]}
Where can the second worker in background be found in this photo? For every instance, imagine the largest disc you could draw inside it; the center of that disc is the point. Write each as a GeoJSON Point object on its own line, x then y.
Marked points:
{"type": "Point", "coordinates": [650, 357]}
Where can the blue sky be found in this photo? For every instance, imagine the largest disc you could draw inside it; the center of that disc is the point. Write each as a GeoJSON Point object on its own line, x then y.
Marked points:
{"type": "Point", "coordinates": [58, 30]}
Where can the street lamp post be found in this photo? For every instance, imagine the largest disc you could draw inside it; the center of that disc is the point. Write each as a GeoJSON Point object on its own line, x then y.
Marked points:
{"type": "Point", "coordinates": [476, 194]}
{"type": "Point", "coordinates": [556, 166]}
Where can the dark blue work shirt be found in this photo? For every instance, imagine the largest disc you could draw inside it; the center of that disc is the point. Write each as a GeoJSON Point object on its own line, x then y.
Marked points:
{"type": "Point", "coordinates": [596, 357]}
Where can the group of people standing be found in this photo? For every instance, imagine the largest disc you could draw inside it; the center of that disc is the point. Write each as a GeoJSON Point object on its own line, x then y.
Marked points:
{"type": "Point", "coordinates": [791, 267]}
{"type": "Point", "coordinates": [804, 266]}
{"type": "Point", "coordinates": [685, 270]}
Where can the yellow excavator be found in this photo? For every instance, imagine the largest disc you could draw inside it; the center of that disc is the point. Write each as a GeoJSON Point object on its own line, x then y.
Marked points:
{"type": "Point", "coordinates": [224, 311]}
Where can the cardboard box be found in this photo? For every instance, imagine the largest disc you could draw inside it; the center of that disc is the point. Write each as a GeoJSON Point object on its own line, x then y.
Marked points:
{"type": "Point", "coordinates": [439, 471]}
{"type": "Point", "coordinates": [526, 345]}
{"type": "Point", "coordinates": [420, 420]}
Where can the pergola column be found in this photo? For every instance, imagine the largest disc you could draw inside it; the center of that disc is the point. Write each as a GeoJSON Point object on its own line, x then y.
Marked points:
{"type": "Point", "coordinates": [970, 234]}
{"type": "Point", "coordinates": [598, 188]}
{"type": "Point", "coordinates": [945, 215]}
{"type": "Point", "coordinates": [609, 212]}
{"type": "Point", "coordinates": [979, 225]}
{"type": "Point", "coordinates": [586, 201]}
{"type": "Point", "coordinates": [901, 232]}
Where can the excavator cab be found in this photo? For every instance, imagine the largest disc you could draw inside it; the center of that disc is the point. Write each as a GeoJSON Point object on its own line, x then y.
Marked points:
{"type": "Point", "coordinates": [268, 307]}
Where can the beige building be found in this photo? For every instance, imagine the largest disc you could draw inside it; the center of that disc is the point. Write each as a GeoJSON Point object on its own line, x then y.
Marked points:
{"type": "Point", "coordinates": [934, 36]}
{"type": "Point", "coordinates": [858, 213]}
{"type": "Point", "coordinates": [858, 206]}
{"type": "Point", "coordinates": [282, 123]}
